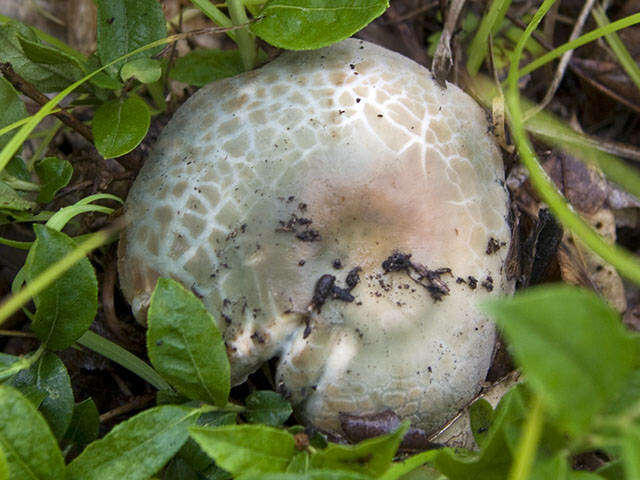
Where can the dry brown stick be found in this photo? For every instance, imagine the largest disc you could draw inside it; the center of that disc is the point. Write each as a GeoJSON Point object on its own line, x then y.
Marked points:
{"type": "Point", "coordinates": [443, 58]}
{"type": "Point", "coordinates": [34, 94]}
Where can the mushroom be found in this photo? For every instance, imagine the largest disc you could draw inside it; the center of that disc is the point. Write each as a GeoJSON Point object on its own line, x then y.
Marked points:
{"type": "Point", "coordinates": [340, 210]}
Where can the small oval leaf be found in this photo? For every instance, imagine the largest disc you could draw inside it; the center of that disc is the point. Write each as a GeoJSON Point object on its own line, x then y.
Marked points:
{"type": "Point", "coordinates": [203, 66]}
{"type": "Point", "coordinates": [185, 346]}
{"type": "Point", "coordinates": [311, 24]}
{"type": "Point", "coordinates": [267, 407]}
{"type": "Point", "coordinates": [85, 423]}
{"type": "Point", "coordinates": [120, 125]}
{"type": "Point", "coordinates": [54, 173]}
{"type": "Point", "coordinates": [243, 449]}
{"type": "Point", "coordinates": [146, 70]}
{"type": "Point", "coordinates": [66, 308]}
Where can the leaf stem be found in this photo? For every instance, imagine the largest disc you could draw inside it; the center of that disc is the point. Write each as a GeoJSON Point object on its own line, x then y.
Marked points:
{"type": "Point", "coordinates": [528, 444]}
{"type": "Point", "coordinates": [244, 38]}
{"type": "Point", "coordinates": [22, 364]}
{"type": "Point", "coordinates": [216, 15]}
{"type": "Point", "coordinates": [119, 355]}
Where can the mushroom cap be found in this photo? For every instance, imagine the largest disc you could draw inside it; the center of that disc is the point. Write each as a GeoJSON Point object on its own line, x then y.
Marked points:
{"type": "Point", "coordinates": [324, 164]}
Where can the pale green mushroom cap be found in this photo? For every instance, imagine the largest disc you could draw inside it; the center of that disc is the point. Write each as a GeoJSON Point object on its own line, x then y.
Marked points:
{"type": "Point", "coordinates": [361, 142]}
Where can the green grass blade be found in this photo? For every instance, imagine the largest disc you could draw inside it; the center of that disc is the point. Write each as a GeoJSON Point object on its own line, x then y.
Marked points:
{"type": "Point", "coordinates": [578, 42]}
{"type": "Point", "coordinates": [626, 263]}
{"type": "Point", "coordinates": [489, 25]}
{"type": "Point", "coordinates": [622, 54]}
{"type": "Point", "coordinates": [119, 355]}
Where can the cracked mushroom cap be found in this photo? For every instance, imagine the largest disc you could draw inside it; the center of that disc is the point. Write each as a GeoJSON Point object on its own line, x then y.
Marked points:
{"type": "Point", "coordinates": [340, 210]}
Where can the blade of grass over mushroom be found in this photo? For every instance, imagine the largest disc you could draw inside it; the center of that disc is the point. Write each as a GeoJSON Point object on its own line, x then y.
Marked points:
{"type": "Point", "coordinates": [119, 355]}
{"type": "Point", "coordinates": [488, 26]}
{"type": "Point", "coordinates": [47, 277]}
{"type": "Point", "coordinates": [626, 263]}
{"type": "Point", "coordinates": [185, 345]}
{"type": "Point", "coordinates": [622, 54]}
{"type": "Point", "coordinates": [578, 42]}
{"type": "Point", "coordinates": [311, 24]}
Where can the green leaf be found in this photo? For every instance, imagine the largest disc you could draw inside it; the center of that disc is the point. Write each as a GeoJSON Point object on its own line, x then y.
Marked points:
{"type": "Point", "coordinates": [411, 464]}
{"type": "Point", "coordinates": [631, 451]}
{"type": "Point", "coordinates": [54, 174]}
{"type": "Point", "coordinates": [371, 457]}
{"type": "Point", "coordinates": [564, 326]}
{"type": "Point", "coordinates": [185, 346]}
{"type": "Point", "coordinates": [310, 475]}
{"type": "Point", "coordinates": [146, 70]}
{"type": "Point", "coordinates": [494, 460]}
{"type": "Point", "coordinates": [300, 463]}
{"type": "Point", "coordinates": [311, 24]}
{"type": "Point", "coordinates": [194, 456]}
{"type": "Point", "coordinates": [242, 449]}
{"type": "Point", "coordinates": [120, 125]}
{"type": "Point", "coordinates": [34, 395]}
{"type": "Point", "coordinates": [480, 414]}
{"type": "Point", "coordinates": [29, 446]}
{"type": "Point", "coordinates": [49, 376]}
{"type": "Point", "coordinates": [13, 108]}
{"type": "Point", "coordinates": [4, 466]}
{"type": "Point", "coordinates": [178, 469]}
{"type": "Point", "coordinates": [65, 309]}
{"type": "Point", "coordinates": [40, 53]}
{"type": "Point", "coordinates": [46, 78]}
{"type": "Point", "coordinates": [11, 200]}
{"type": "Point", "coordinates": [85, 423]}
{"type": "Point", "coordinates": [613, 470]}
{"type": "Point", "coordinates": [203, 66]}
{"type": "Point", "coordinates": [267, 407]}
{"type": "Point", "coordinates": [17, 168]}
{"type": "Point", "coordinates": [137, 448]}
{"type": "Point", "coordinates": [11, 365]}
{"type": "Point", "coordinates": [125, 25]}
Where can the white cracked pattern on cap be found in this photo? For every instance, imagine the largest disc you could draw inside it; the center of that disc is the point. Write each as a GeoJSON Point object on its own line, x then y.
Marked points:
{"type": "Point", "coordinates": [361, 142]}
